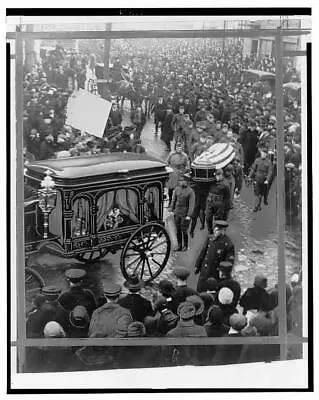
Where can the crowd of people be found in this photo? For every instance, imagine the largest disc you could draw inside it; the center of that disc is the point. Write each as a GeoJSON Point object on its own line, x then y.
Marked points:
{"type": "Point", "coordinates": [199, 96]}
{"type": "Point", "coordinates": [219, 309]}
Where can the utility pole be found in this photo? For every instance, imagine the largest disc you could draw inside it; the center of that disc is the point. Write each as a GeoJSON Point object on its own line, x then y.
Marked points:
{"type": "Point", "coordinates": [105, 90]}
{"type": "Point", "coordinates": [107, 48]}
{"type": "Point", "coordinates": [224, 37]}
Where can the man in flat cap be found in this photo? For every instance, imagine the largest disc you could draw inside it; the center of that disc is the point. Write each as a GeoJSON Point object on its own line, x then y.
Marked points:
{"type": "Point", "coordinates": [110, 320]}
{"type": "Point", "coordinates": [181, 289]}
{"type": "Point", "coordinates": [77, 295]}
{"type": "Point", "coordinates": [218, 247]}
{"type": "Point", "coordinates": [50, 310]}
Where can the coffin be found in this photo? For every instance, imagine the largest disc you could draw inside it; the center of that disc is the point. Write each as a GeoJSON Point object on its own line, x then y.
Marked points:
{"type": "Point", "coordinates": [216, 157]}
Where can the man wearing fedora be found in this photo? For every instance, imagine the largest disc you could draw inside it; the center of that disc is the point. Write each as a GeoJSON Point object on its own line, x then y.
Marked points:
{"type": "Point", "coordinates": [218, 247]}
{"type": "Point", "coordinates": [138, 306]}
{"type": "Point", "coordinates": [186, 325]}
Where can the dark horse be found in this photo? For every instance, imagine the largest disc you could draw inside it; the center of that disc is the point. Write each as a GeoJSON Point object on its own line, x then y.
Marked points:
{"type": "Point", "coordinates": [125, 90]}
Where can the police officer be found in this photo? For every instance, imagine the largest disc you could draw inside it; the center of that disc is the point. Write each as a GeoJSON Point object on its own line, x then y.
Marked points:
{"type": "Point", "coordinates": [218, 200]}
{"type": "Point", "coordinates": [218, 247]}
{"type": "Point", "coordinates": [182, 205]}
{"type": "Point", "coordinates": [261, 171]}
{"type": "Point", "coordinates": [76, 295]}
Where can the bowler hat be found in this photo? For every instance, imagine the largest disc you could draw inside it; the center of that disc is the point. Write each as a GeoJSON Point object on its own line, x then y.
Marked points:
{"type": "Point", "coordinates": [79, 317]}
{"type": "Point", "coordinates": [51, 291]}
{"type": "Point", "coordinates": [134, 283]}
{"type": "Point", "coordinates": [186, 310]}
{"type": "Point", "coordinates": [75, 274]}
{"type": "Point", "coordinates": [237, 321]}
{"type": "Point", "coordinates": [112, 290]}
{"type": "Point", "coordinates": [211, 285]}
{"type": "Point", "coordinates": [181, 273]}
{"type": "Point", "coordinates": [215, 314]}
{"type": "Point", "coordinates": [260, 281]}
{"type": "Point", "coordinates": [166, 287]}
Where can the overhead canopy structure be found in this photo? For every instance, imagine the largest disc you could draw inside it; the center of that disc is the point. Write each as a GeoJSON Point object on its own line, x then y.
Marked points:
{"type": "Point", "coordinates": [261, 75]}
{"type": "Point", "coordinates": [293, 86]}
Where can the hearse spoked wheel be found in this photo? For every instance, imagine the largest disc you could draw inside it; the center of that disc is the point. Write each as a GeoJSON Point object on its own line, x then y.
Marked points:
{"type": "Point", "coordinates": [146, 252]}
{"type": "Point", "coordinates": [90, 256]}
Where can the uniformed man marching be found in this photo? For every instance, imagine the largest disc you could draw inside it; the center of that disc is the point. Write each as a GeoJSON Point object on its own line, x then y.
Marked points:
{"type": "Point", "coordinates": [261, 172]}
{"type": "Point", "coordinates": [218, 248]}
{"type": "Point", "coordinates": [218, 200]}
{"type": "Point", "coordinates": [76, 295]}
{"type": "Point", "coordinates": [182, 205]}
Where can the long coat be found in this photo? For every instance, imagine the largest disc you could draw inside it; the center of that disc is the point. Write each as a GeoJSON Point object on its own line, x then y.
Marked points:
{"type": "Point", "coordinates": [167, 133]}
{"type": "Point", "coordinates": [179, 163]}
{"type": "Point", "coordinates": [110, 320]}
{"type": "Point", "coordinates": [137, 305]}
{"type": "Point", "coordinates": [213, 252]}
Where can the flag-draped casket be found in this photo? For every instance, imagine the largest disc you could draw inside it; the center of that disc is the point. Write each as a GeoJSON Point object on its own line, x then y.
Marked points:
{"type": "Point", "coordinates": [215, 157]}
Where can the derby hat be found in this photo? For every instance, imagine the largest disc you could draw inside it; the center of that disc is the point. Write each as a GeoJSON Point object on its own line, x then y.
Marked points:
{"type": "Point", "coordinates": [79, 317]}
{"type": "Point", "coordinates": [134, 284]}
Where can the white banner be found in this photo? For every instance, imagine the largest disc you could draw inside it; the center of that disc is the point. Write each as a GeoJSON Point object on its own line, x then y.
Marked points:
{"type": "Point", "coordinates": [88, 112]}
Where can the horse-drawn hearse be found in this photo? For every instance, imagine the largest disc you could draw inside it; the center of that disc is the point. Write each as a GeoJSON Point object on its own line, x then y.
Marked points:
{"type": "Point", "coordinates": [85, 207]}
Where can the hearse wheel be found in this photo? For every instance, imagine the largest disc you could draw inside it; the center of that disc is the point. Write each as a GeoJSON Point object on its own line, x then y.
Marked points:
{"type": "Point", "coordinates": [90, 256]}
{"type": "Point", "coordinates": [146, 252]}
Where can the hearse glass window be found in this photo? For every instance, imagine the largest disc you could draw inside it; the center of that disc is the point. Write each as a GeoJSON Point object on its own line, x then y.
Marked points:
{"type": "Point", "coordinates": [116, 209]}
{"type": "Point", "coordinates": [81, 217]}
{"type": "Point", "coordinates": [152, 204]}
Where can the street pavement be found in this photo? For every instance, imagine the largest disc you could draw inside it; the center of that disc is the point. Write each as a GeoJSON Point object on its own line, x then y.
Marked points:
{"type": "Point", "coordinates": [254, 236]}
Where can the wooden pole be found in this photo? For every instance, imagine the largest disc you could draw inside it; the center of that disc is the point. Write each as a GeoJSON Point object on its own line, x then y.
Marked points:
{"type": "Point", "coordinates": [107, 48]}
{"type": "Point", "coordinates": [281, 198]}
{"type": "Point", "coordinates": [21, 328]}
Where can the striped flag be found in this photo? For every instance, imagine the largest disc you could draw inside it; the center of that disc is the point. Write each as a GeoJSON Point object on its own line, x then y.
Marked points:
{"type": "Point", "coordinates": [217, 156]}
